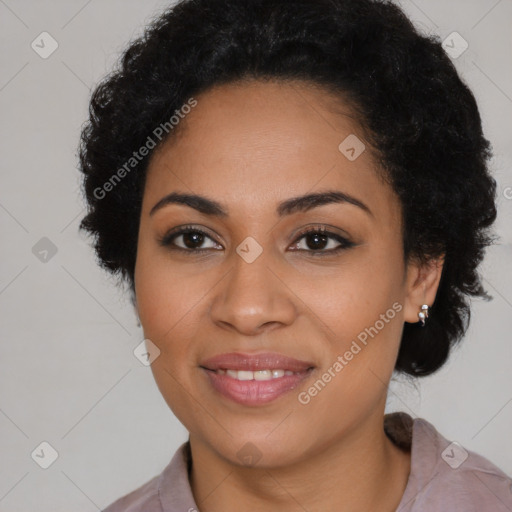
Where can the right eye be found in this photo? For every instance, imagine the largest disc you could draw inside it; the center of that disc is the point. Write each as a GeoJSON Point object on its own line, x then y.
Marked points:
{"type": "Point", "coordinates": [188, 239]}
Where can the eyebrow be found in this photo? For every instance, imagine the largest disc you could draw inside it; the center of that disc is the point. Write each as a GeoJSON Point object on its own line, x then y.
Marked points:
{"type": "Point", "coordinates": [295, 204]}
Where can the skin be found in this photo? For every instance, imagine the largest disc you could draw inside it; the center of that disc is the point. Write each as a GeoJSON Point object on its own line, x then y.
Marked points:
{"type": "Point", "coordinates": [249, 146]}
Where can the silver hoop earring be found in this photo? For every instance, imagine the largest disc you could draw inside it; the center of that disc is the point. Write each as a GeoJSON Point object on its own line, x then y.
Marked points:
{"type": "Point", "coordinates": [423, 314]}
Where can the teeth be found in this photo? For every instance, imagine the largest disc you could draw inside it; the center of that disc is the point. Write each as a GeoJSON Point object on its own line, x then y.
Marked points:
{"type": "Point", "coordinates": [256, 375]}
{"type": "Point", "coordinates": [262, 375]}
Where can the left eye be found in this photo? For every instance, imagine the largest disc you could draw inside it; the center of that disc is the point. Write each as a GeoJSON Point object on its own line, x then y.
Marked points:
{"type": "Point", "coordinates": [321, 241]}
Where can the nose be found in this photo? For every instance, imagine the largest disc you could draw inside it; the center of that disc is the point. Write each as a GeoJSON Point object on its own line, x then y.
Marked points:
{"type": "Point", "coordinates": [253, 298]}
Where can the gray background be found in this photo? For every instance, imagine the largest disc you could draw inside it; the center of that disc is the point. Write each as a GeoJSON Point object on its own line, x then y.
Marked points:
{"type": "Point", "coordinates": [68, 374]}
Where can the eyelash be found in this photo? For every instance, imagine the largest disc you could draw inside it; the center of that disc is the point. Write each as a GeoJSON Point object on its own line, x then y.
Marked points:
{"type": "Point", "coordinates": [169, 237]}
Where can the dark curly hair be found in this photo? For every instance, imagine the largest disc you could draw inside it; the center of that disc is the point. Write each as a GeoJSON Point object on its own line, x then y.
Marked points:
{"type": "Point", "coordinates": [422, 121]}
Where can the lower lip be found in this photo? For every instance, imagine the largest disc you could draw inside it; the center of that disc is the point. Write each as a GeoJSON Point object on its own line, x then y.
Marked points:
{"type": "Point", "coordinates": [255, 392]}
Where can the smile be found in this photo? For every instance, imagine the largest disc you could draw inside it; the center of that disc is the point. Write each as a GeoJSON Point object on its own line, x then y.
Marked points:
{"type": "Point", "coordinates": [257, 375]}
{"type": "Point", "coordinates": [254, 379]}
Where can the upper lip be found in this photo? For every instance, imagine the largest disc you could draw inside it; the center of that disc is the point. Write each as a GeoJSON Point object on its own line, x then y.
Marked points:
{"type": "Point", "coordinates": [255, 362]}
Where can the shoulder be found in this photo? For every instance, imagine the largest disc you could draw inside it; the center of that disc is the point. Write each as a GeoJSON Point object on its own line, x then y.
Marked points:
{"type": "Point", "coordinates": [169, 491]}
{"type": "Point", "coordinates": [446, 476]}
{"type": "Point", "coordinates": [145, 498]}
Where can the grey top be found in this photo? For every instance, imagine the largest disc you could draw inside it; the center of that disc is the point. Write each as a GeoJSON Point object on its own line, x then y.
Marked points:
{"type": "Point", "coordinates": [444, 477]}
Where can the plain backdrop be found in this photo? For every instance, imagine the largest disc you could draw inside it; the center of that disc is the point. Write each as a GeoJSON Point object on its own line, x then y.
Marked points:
{"type": "Point", "coordinates": [68, 375]}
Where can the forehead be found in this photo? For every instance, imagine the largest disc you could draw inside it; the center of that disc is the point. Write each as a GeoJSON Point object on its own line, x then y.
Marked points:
{"type": "Point", "coordinates": [257, 143]}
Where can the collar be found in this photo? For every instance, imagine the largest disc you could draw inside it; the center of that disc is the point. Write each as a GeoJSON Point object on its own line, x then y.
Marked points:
{"type": "Point", "coordinates": [174, 488]}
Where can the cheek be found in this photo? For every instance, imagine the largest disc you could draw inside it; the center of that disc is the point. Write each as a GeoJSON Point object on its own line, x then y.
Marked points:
{"type": "Point", "coordinates": [356, 294]}
{"type": "Point", "coordinates": [360, 309]}
{"type": "Point", "coordinates": [167, 312]}
{"type": "Point", "coordinates": [363, 333]}
{"type": "Point", "coordinates": [162, 299]}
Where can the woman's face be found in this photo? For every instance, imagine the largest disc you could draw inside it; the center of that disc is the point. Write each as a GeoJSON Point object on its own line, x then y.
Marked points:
{"type": "Point", "coordinates": [247, 278]}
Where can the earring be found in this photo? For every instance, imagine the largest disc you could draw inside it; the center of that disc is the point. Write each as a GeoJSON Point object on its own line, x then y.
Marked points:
{"type": "Point", "coordinates": [423, 314]}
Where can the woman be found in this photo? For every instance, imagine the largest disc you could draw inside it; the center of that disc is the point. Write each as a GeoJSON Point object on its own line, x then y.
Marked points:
{"type": "Point", "coordinates": [298, 195]}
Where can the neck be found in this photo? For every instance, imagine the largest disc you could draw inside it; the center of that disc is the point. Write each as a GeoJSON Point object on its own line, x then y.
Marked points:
{"type": "Point", "coordinates": [361, 471]}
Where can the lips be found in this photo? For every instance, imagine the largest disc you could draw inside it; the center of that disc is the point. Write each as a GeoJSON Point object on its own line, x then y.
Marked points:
{"type": "Point", "coordinates": [255, 362]}
{"type": "Point", "coordinates": [255, 379]}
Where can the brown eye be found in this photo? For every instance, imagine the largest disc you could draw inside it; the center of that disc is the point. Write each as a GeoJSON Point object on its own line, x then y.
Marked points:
{"type": "Point", "coordinates": [189, 239]}
{"type": "Point", "coordinates": [192, 239]}
{"type": "Point", "coordinates": [316, 241]}
{"type": "Point", "coordinates": [320, 241]}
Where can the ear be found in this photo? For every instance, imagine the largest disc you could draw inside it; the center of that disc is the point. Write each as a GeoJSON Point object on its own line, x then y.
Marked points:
{"type": "Point", "coordinates": [422, 282]}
